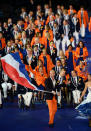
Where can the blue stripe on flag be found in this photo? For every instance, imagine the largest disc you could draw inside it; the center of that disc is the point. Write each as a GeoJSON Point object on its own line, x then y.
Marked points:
{"type": "Point", "coordinates": [22, 69]}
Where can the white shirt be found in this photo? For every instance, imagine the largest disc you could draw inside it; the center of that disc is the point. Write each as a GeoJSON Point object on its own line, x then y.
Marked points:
{"type": "Point", "coordinates": [60, 78]}
{"type": "Point", "coordinates": [24, 41]}
{"type": "Point", "coordinates": [46, 12]}
{"type": "Point", "coordinates": [71, 11]}
{"type": "Point", "coordinates": [54, 82]}
{"type": "Point", "coordinates": [29, 58]}
{"type": "Point", "coordinates": [5, 77]}
{"type": "Point", "coordinates": [23, 15]}
{"type": "Point", "coordinates": [36, 53]}
{"type": "Point", "coordinates": [74, 20]}
{"type": "Point", "coordinates": [75, 79]}
{"type": "Point", "coordinates": [15, 33]}
{"type": "Point", "coordinates": [66, 17]}
{"type": "Point", "coordinates": [66, 30]}
{"type": "Point", "coordinates": [58, 68]}
{"type": "Point", "coordinates": [51, 50]}
{"type": "Point", "coordinates": [59, 11]}
{"type": "Point", "coordinates": [0, 28]}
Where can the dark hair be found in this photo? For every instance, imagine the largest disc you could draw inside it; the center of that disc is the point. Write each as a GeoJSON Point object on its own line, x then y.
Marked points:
{"type": "Point", "coordinates": [81, 6]}
{"type": "Point", "coordinates": [56, 22]}
{"type": "Point", "coordinates": [51, 41]}
{"type": "Point", "coordinates": [39, 16]}
{"type": "Point", "coordinates": [69, 46]}
{"type": "Point", "coordinates": [79, 43]}
{"type": "Point", "coordinates": [74, 14]}
{"type": "Point", "coordinates": [65, 21]}
{"type": "Point", "coordinates": [57, 14]}
{"type": "Point", "coordinates": [63, 69]}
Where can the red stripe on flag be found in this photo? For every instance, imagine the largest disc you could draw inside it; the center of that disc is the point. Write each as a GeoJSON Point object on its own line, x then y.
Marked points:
{"type": "Point", "coordinates": [14, 75]}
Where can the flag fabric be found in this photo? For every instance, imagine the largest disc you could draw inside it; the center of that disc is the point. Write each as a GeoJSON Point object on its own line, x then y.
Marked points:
{"type": "Point", "coordinates": [15, 69]}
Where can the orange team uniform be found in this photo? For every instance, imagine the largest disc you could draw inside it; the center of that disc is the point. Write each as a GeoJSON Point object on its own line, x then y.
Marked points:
{"type": "Point", "coordinates": [44, 42]}
{"type": "Point", "coordinates": [52, 105]}
{"type": "Point", "coordinates": [37, 22]}
{"type": "Point", "coordinates": [50, 32]}
{"type": "Point", "coordinates": [33, 41]}
{"type": "Point", "coordinates": [83, 74]}
{"type": "Point", "coordinates": [48, 19]}
{"type": "Point", "coordinates": [85, 18]}
{"type": "Point", "coordinates": [85, 52]}
{"type": "Point", "coordinates": [73, 11]}
{"type": "Point", "coordinates": [49, 62]}
{"type": "Point", "coordinates": [20, 43]}
{"type": "Point", "coordinates": [27, 68]}
{"type": "Point", "coordinates": [89, 27]}
{"type": "Point", "coordinates": [67, 55]}
{"type": "Point", "coordinates": [67, 78]}
{"type": "Point", "coordinates": [3, 43]}
{"type": "Point", "coordinates": [21, 55]}
{"type": "Point", "coordinates": [40, 80]}
{"type": "Point", "coordinates": [37, 69]}
{"type": "Point", "coordinates": [25, 25]}
{"type": "Point", "coordinates": [36, 30]}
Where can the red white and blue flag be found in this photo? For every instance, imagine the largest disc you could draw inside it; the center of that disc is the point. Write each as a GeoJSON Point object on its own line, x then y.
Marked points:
{"type": "Point", "coordinates": [15, 69]}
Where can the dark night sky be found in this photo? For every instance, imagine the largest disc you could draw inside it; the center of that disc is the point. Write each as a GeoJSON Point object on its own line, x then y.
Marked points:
{"type": "Point", "coordinates": [76, 3]}
{"type": "Point", "coordinates": [86, 3]}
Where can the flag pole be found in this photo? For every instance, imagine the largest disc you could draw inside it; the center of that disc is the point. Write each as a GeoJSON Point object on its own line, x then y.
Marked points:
{"type": "Point", "coordinates": [44, 91]}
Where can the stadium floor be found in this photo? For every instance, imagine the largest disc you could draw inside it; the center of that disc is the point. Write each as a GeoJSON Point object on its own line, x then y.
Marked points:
{"type": "Point", "coordinates": [67, 119]}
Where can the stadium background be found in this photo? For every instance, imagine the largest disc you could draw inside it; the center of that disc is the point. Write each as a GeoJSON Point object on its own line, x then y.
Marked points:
{"type": "Point", "coordinates": [11, 8]}
{"type": "Point", "coordinates": [11, 118]}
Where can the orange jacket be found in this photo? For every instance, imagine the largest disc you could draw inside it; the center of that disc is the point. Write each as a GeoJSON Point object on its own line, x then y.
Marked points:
{"type": "Point", "coordinates": [44, 42]}
{"type": "Point", "coordinates": [37, 69]}
{"type": "Point", "coordinates": [36, 30]}
{"type": "Point", "coordinates": [83, 74]}
{"type": "Point", "coordinates": [74, 11]}
{"type": "Point", "coordinates": [48, 19]}
{"type": "Point", "coordinates": [50, 32]}
{"type": "Point", "coordinates": [37, 22]}
{"type": "Point", "coordinates": [85, 52]}
{"type": "Point", "coordinates": [67, 78]}
{"type": "Point", "coordinates": [85, 18]}
{"type": "Point", "coordinates": [25, 25]}
{"type": "Point", "coordinates": [20, 42]}
{"type": "Point", "coordinates": [49, 62]}
{"type": "Point", "coordinates": [21, 55]}
{"type": "Point", "coordinates": [27, 68]}
{"type": "Point", "coordinates": [40, 80]}
{"type": "Point", "coordinates": [89, 27]}
{"type": "Point", "coordinates": [67, 55]}
{"type": "Point", "coordinates": [3, 42]}
{"type": "Point", "coordinates": [33, 41]}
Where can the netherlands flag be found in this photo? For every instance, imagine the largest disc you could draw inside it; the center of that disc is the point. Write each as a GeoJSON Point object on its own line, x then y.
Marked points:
{"type": "Point", "coordinates": [15, 69]}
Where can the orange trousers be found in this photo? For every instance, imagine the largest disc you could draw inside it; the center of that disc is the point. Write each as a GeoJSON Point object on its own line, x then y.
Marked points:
{"type": "Point", "coordinates": [52, 106]}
